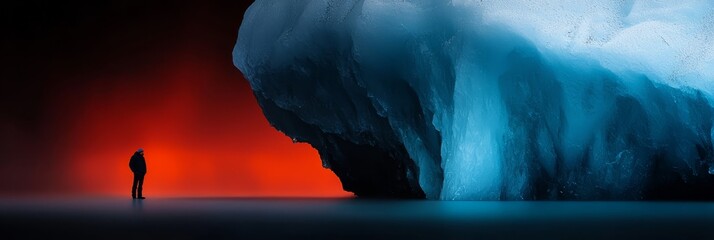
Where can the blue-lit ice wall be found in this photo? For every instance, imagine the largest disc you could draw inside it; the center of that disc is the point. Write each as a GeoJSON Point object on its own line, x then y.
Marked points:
{"type": "Point", "coordinates": [494, 99]}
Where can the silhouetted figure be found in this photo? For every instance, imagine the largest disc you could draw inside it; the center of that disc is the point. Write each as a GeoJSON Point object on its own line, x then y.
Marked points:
{"type": "Point", "coordinates": [137, 164]}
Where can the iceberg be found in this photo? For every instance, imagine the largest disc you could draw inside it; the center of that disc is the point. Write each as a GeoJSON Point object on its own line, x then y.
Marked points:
{"type": "Point", "coordinates": [492, 99]}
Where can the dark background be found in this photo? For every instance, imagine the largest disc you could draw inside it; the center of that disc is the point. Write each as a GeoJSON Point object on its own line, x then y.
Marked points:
{"type": "Point", "coordinates": [86, 83]}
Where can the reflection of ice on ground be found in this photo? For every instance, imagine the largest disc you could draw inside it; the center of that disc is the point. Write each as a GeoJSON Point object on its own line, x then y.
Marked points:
{"type": "Point", "coordinates": [348, 218]}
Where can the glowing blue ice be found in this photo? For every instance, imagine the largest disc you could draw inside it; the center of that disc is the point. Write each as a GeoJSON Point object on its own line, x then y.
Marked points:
{"type": "Point", "coordinates": [496, 99]}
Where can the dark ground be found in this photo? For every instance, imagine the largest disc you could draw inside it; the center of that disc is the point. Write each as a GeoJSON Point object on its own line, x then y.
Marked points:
{"type": "Point", "coordinates": [255, 218]}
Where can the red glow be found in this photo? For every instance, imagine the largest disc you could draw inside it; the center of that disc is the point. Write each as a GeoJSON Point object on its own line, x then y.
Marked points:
{"type": "Point", "coordinates": [85, 85]}
{"type": "Point", "coordinates": [203, 132]}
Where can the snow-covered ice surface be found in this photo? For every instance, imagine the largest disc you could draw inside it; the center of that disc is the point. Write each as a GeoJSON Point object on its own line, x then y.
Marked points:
{"type": "Point", "coordinates": [486, 99]}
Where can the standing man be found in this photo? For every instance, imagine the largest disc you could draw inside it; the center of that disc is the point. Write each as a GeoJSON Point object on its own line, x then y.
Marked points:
{"type": "Point", "coordinates": [137, 164]}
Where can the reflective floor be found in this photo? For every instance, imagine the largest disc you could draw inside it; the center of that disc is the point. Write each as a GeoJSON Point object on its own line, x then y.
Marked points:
{"type": "Point", "coordinates": [258, 218]}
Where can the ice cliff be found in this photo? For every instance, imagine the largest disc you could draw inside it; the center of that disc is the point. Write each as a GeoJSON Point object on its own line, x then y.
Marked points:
{"type": "Point", "coordinates": [487, 99]}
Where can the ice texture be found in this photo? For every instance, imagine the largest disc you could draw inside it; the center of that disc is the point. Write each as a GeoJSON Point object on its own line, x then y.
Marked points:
{"type": "Point", "coordinates": [492, 99]}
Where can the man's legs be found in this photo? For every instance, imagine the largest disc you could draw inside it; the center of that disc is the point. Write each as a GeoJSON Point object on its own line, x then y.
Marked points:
{"type": "Point", "coordinates": [133, 185]}
{"type": "Point", "coordinates": [141, 184]}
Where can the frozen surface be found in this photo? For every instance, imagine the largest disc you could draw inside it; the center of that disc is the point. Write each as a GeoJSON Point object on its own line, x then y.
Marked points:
{"type": "Point", "coordinates": [489, 100]}
{"type": "Point", "coordinates": [265, 218]}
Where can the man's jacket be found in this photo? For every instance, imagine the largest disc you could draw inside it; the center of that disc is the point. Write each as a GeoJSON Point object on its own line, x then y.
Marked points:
{"type": "Point", "coordinates": [137, 164]}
